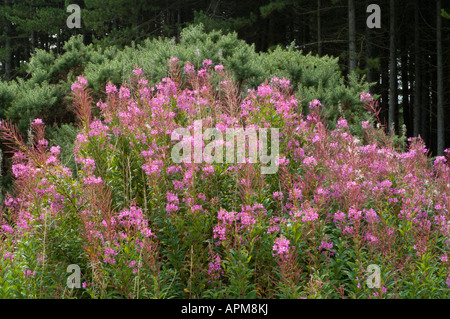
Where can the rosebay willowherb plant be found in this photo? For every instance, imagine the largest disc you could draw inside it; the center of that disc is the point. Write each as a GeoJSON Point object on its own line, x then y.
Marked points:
{"type": "Point", "coordinates": [140, 224]}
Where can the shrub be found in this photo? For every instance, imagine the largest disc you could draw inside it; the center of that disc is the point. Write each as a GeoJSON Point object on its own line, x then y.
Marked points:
{"type": "Point", "coordinates": [44, 93]}
{"type": "Point", "coordinates": [141, 224]}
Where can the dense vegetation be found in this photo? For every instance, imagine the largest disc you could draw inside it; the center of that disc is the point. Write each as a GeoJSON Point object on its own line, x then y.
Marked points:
{"type": "Point", "coordinates": [90, 171]}
{"type": "Point", "coordinates": [45, 93]}
{"type": "Point", "coordinates": [407, 58]}
{"type": "Point", "coordinates": [140, 225]}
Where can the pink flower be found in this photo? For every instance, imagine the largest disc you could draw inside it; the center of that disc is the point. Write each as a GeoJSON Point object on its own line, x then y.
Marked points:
{"type": "Point", "coordinates": [296, 193]}
{"type": "Point", "coordinates": [172, 207]}
{"type": "Point", "coordinates": [173, 60]}
{"type": "Point", "coordinates": [147, 232]}
{"type": "Point", "coordinates": [9, 202]}
{"type": "Point", "coordinates": [124, 93]}
{"type": "Point", "coordinates": [110, 88]}
{"type": "Point", "coordinates": [37, 122]}
{"type": "Point", "coordinates": [137, 71]}
{"type": "Point", "coordinates": [75, 86]}
{"type": "Point", "coordinates": [273, 229]}
{"type": "Point", "coordinates": [283, 83]}
{"type": "Point", "coordinates": [342, 123]}
{"type": "Point", "coordinates": [354, 214]}
{"type": "Point", "coordinates": [152, 168]}
{"type": "Point", "coordinates": [51, 160]}
{"type": "Point", "coordinates": [7, 229]}
{"type": "Point", "coordinates": [385, 184]}
{"type": "Point", "coordinates": [219, 232]}
{"type": "Point", "coordinates": [309, 214]}
{"type": "Point", "coordinates": [83, 81]}
{"type": "Point", "coordinates": [371, 215]}
{"type": "Point", "coordinates": [218, 67]}
{"type": "Point", "coordinates": [366, 97]}
{"type": "Point", "coordinates": [29, 273]}
{"type": "Point", "coordinates": [89, 164]}
{"type": "Point", "coordinates": [110, 252]}
{"type": "Point", "coordinates": [55, 150]}
{"type": "Point", "coordinates": [43, 143]}
{"type": "Point", "coordinates": [81, 138]}
{"type": "Point", "coordinates": [98, 129]}
{"type": "Point", "coordinates": [208, 170]}
{"type": "Point", "coordinates": [310, 161]}
{"type": "Point", "coordinates": [281, 246]}
{"type": "Point", "coordinates": [339, 216]}
{"type": "Point", "coordinates": [264, 90]}
{"type": "Point", "coordinates": [92, 180]}
{"type": "Point", "coordinates": [206, 63]}
{"type": "Point", "coordinates": [178, 185]}
{"type": "Point", "coordinates": [226, 217]}
{"type": "Point", "coordinates": [278, 195]}
{"type": "Point", "coordinates": [371, 239]}
{"type": "Point", "coordinates": [315, 104]}
{"type": "Point", "coordinates": [188, 68]}
{"type": "Point", "coordinates": [202, 72]}
{"type": "Point", "coordinates": [215, 266]}
{"type": "Point", "coordinates": [246, 218]}
{"type": "Point", "coordinates": [20, 170]}
{"type": "Point", "coordinates": [8, 255]}
{"type": "Point", "coordinates": [283, 161]}
{"type": "Point", "coordinates": [348, 230]}
{"type": "Point", "coordinates": [172, 198]}
{"type": "Point", "coordinates": [194, 208]}
{"type": "Point", "coordinates": [325, 245]}
{"type": "Point", "coordinates": [79, 85]}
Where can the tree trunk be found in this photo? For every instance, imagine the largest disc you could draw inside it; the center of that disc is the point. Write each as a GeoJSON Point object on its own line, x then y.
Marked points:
{"type": "Point", "coordinates": [440, 83]}
{"type": "Point", "coordinates": [319, 36]}
{"type": "Point", "coordinates": [351, 35]}
{"type": "Point", "coordinates": [425, 101]}
{"type": "Point", "coordinates": [393, 100]}
{"type": "Point", "coordinates": [178, 22]}
{"type": "Point", "coordinates": [433, 109]}
{"type": "Point", "coordinates": [405, 91]}
{"type": "Point", "coordinates": [371, 76]}
{"type": "Point", "coordinates": [417, 72]}
{"type": "Point", "coordinates": [8, 59]}
{"type": "Point", "coordinates": [384, 90]}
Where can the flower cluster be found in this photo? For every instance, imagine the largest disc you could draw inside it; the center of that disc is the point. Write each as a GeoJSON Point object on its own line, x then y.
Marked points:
{"type": "Point", "coordinates": [281, 247]}
{"type": "Point", "coordinates": [203, 227]}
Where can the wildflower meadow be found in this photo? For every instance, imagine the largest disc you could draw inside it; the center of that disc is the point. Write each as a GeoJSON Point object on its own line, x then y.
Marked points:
{"type": "Point", "coordinates": [153, 214]}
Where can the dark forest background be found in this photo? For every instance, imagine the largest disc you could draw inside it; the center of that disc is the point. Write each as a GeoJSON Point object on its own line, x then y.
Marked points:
{"type": "Point", "coordinates": [407, 60]}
